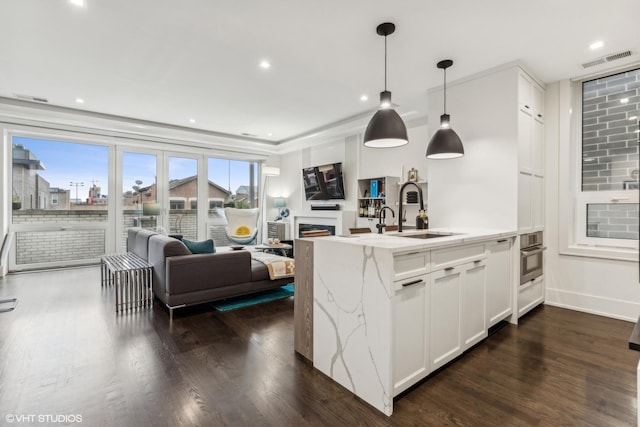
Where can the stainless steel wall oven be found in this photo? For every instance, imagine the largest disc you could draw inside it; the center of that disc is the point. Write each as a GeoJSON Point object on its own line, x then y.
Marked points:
{"type": "Point", "coordinates": [531, 250]}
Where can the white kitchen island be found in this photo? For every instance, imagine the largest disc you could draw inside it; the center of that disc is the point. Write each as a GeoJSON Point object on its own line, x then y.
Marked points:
{"type": "Point", "coordinates": [389, 310]}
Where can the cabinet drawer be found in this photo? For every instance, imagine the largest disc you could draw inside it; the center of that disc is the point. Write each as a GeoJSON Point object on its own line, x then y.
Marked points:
{"type": "Point", "coordinates": [443, 258]}
{"type": "Point", "coordinates": [530, 295]}
{"type": "Point", "coordinates": [410, 264]}
{"type": "Point", "coordinates": [401, 285]}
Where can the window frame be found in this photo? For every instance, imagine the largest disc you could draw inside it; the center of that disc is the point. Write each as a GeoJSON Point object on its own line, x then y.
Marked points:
{"type": "Point", "coordinates": [177, 199]}
{"type": "Point", "coordinates": [573, 210]}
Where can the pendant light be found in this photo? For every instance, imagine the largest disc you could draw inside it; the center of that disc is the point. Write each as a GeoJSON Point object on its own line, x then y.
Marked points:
{"type": "Point", "coordinates": [386, 129]}
{"type": "Point", "coordinates": [445, 144]}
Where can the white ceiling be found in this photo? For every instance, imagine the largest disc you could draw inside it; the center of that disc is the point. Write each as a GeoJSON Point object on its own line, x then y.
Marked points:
{"type": "Point", "coordinates": [169, 61]}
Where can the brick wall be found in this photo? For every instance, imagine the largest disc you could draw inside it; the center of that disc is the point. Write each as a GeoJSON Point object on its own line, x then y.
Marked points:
{"type": "Point", "coordinates": [65, 245]}
{"type": "Point", "coordinates": [57, 246]}
{"type": "Point", "coordinates": [47, 216]}
{"type": "Point", "coordinates": [609, 140]}
{"type": "Point", "coordinates": [612, 220]}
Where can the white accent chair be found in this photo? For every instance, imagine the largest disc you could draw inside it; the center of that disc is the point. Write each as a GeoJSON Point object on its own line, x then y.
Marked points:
{"type": "Point", "coordinates": [240, 218]}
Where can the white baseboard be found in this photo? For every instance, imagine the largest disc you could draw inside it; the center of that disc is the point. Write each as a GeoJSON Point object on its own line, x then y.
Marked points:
{"type": "Point", "coordinates": [608, 307]}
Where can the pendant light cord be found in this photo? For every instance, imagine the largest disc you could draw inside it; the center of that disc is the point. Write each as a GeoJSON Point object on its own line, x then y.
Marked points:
{"type": "Point", "coordinates": [385, 63]}
{"type": "Point", "coordinates": [445, 92]}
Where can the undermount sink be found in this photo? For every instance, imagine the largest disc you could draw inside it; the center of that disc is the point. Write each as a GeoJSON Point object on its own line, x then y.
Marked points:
{"type": "Point", "coordinates": [424, 235]}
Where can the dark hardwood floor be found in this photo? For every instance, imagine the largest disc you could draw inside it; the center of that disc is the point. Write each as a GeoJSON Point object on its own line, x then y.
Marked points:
{"type": "Point", "coordinates": [65, 351]}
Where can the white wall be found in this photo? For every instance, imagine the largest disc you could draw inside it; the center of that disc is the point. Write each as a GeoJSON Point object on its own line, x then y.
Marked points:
{"type": "Point", "coordinates": [479, 189]}
{"type": "Point", "coordinates": [593, 285]}
{"type": "Point", "coordinates": [358, 162]}
{"type": "Point", "coordinates": [377, 162]}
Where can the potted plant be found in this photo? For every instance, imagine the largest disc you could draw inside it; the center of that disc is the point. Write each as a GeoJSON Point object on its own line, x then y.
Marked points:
{"type": "Point", "coordinates": [15, 203]}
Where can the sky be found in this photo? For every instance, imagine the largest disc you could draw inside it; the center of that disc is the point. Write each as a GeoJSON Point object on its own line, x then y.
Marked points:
{"type": "Point", "coordinates": [68, 162]}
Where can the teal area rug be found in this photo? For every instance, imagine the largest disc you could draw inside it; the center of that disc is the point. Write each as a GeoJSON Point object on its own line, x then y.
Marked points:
{"type": "Point", "coordinates": [253, 299]}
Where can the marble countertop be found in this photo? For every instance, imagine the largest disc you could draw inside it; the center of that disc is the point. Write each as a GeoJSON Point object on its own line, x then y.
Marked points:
{"type": "Point", "coordinates": [396, 242]}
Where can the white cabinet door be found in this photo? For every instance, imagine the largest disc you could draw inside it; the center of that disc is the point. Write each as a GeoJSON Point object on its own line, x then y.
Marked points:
{"type": "Point", "coordinates": [537, 99]}
{"type": "Point", "coordinates": [530, 295]}
{"type": "Point", "coordinates": [537, 202]}
{"type": "Point", "coordinates": [524, 91]}
{"type": "Point", "coordinates": [445, 333]}
{"type": "Point", "coordinates": [525, 140]}
{"type": "Point", "coordinates": [410, 333]}
{"type": "Point", "coordinates": [499, 289]}
{"type": "Point", "coordinates": [472, 319]}
{"type": "Point", "coordinates": [537, 146]}
{"type": "Point", "coordinates": [525, 219]}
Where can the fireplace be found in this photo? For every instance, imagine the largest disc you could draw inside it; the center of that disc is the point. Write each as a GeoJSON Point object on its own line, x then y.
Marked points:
{"type": "Point", "coordinates": [309, 227]}
{"type": "Point", "coordinates": [337, 222]}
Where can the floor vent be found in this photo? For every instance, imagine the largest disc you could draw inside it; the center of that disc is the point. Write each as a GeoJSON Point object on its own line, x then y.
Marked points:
{"type": "Point", "coordinates": [31, 98]}
{"type": "Point", "coordinates": [608, 58]}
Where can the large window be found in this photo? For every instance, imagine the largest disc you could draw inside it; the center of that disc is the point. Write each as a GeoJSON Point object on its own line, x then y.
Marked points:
{"type": "Point", "coordinates": [59, 201]}
{"type": "Point", "coordinates": [62, 209]}
{"type": "Point", "coordinates": [607, 209]}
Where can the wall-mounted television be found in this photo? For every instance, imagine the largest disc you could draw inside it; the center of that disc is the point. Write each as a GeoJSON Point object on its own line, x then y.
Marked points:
{"type": "Point", "coordinates": [323, 182]}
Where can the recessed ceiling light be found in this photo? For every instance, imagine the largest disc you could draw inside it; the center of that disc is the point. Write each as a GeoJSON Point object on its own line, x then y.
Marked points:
{"type": "Point", "coordinates": [265, 64]}
{"type": "Point", "coordinates": [596, 45]}
{"type": "Point", "coordinates": [80, 3]}
{"type": "Point", "coordinates": [364, 98]}
{"type": "Point", "coordinates": [624, 100]}
{"type": "Point", "coordinates": [270, 134]}
{"type": "Point", "coordinates": [80, 100]}
{"type": "Point", "coordinates": [192, 120]}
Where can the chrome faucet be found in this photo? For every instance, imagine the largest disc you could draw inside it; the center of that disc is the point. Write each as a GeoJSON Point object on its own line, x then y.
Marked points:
{"type": "Point", "coordinates": [400, 202]}
{"type": "Point", "coordinates": [382, 215]}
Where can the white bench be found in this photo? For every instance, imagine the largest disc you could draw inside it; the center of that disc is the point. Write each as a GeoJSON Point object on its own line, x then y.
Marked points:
{"type": "Point", "coordinates": [132, 277]}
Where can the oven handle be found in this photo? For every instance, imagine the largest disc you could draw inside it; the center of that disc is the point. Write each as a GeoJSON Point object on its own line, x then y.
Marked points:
{"type": "Point", "coordinates": [533, 252]}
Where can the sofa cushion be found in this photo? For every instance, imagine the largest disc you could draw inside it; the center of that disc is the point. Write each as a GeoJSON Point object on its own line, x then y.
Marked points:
{"type": "Point", "coordinates": [140, 244]}
{"type": "Point", "coordinates": [259, 271]}
{"type": "Point", "coordinates": [204, 247]}
{"type": "Point", "coordinates": [194, 273]}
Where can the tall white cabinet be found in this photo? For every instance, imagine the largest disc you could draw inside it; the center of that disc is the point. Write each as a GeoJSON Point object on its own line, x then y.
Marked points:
{"type": "Point", "coordinates": [530, 178]}
{"type": "Point", "coordinates": [530, 154]}
{"type": "Point", "coordinates": [499, 182]}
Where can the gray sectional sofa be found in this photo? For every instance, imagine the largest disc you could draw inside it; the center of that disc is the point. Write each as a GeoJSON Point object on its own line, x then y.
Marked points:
{"type": "Point", "coordinates": [181, 278]}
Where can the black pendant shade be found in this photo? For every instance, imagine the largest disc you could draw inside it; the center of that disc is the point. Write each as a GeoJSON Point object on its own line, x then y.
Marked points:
{"type": "Point", "coordinates": [386, 128]}
{"type": "Point", "coordinates": [446, 143]}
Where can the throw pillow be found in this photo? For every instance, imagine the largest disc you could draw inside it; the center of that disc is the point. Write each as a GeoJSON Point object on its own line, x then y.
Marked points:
{"type": "Point", "coordinates": [204, 247]}
{"type": "Point", "coordinates": [243, 230]}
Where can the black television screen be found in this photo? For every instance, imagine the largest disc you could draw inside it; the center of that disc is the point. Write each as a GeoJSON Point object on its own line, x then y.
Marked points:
{"type": "Point", "coordinates": [323, 182]}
